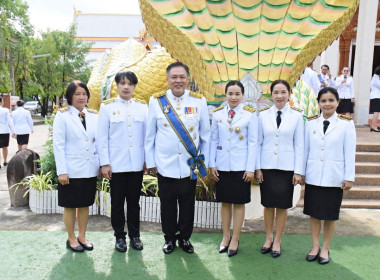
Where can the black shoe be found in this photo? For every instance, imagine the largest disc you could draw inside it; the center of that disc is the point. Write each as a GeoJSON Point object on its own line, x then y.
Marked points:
{"type": "Point", "coordinates": [231, 253]}
{"type": "Point", "coordinates": [323, 260]}
{"type": "Point", "coordinates": [276, 254]}
{"type": "Point", "coordinates": [168, 247]}
{"type": "Point", "coordinates": [88, 246]}
{"type": "Point", "coordinates": [5, 163]}
{"type": "Point", "coordinates": [375, 130]}
{"type": "Point", "coordinates": [77, 249]}
{"type": "Point", "coordinates": [186, 245]}
{"type": "Point", "coordinates": [224, 249]}
{"type": "Point", "coordinates": [311, 258]}
{"type": "Point", "coordinates": [136, 243]}
{"type": "Point", "coordinates": [120, 245]}
{"type": "Point", "coordinates": [266, 250]}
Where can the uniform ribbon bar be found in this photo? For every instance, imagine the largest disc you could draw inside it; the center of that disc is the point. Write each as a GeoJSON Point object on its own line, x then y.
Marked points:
{"type": "Point", "coordinates": [196, 161]}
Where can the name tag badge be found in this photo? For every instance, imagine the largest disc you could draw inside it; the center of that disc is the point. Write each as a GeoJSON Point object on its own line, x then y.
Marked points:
{"type": "Point", "coordinates": [219, 148]}
{"type": "Point", "coordinates": [191, 112]}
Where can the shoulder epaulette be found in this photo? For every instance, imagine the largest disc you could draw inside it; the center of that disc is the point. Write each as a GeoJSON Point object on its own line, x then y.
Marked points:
{"type": "Point", "coordinates": [196, 94]}
{"type": "Point", "coordinates": [296, 109]}
{"type": "Point", "coordinates": [159, 94]}
{"type": "Point", "coordinates": [109, 100]}
{"type": "Point", "coordinates": [219, 108]}
{"type": "Point", "coordinates": [92, 111]}
{"type": "Point", "coordinates": [64, 109]}
{"type": "Point", "coordinates": [344, 117]}
{"type": "Point", "coordinates": [249, 109]}
{"type": "Point", "coordinates": [139, 100]}
{"type": "Point", "coordinates": [263, 109]}
{"type": "Point", "coordinates": [313, 117]}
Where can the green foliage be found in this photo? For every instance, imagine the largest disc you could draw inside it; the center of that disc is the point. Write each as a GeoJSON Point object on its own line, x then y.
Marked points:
{"type": "Point", "coordinates": [149, 186]}
{"type": "Point", "coordinates": [5, 79]}
{"type": "Point", "coordinates": [205, 188]}
{"type": "Point", "coordinates": [40, 182]}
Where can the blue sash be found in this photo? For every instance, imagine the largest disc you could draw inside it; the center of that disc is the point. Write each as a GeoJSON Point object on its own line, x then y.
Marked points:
{"type": "Point", "coordinates": [196, 162]}
{"type": "Point", "coordinates": [320, 79]}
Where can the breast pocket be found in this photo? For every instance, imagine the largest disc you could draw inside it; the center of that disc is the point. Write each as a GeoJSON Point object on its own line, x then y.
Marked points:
{"type": "Point", "coordinates": [116, 119]}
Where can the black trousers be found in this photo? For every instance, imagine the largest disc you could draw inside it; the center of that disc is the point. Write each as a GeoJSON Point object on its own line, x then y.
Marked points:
{"type": "Point", "coordinates": [126, 186]}
{"type": "Point", "coordinates": [177, 222]}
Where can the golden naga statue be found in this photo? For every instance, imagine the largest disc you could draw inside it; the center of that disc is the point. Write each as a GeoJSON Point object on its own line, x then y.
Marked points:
{"type": "Point", "coordinates": [149, 67]}
{"type": "Point", "coordinates": [222, 40]}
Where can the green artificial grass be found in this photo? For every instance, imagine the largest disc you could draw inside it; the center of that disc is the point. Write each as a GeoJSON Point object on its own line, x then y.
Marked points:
{"type": "Point", "coordinates": [43, 255]}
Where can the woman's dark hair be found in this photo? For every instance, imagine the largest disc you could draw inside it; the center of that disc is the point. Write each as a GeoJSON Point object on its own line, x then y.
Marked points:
{"type": "Point", "coordinates": [129, 75]}
{"type": "Point", "coordinates": [234, 83]}
{"type": "Point", "coordinates": [326, 90]}
{"type": "Point", "coordinates": [70, 90]}
{"type": "Point", "coordinates": [285, 83]}
{"type": "Point", "coordinates": [377, 70]}
{"type": "Point", "coordinates": [177, 64]}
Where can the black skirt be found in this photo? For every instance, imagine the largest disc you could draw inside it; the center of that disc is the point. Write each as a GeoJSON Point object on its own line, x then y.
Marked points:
{"type": "Point", "coordinates": [231, 188]}
{"type": "Point", "coordinates": [23, 139]}
{"type": "Point", "coordinates": [322, 203]}
{"type": "Point", "coordinates": [277, 188]}
{"type": "Point", "coordinates": [374, 105]}
{"type": "Point", "coordinates": [80, 192]}
{"type": "Point", "coordinates": [345, 106]}
{"type": "Point", "coordinates": [4, 140]}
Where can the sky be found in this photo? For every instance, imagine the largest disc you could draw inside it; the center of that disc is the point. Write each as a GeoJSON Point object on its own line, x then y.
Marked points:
{"type": "Point", "coordinates": [58, 14]}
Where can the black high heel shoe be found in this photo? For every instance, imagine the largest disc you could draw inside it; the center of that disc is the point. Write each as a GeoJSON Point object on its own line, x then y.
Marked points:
{"type": "Point", "coordinates": [266, 250]}
{"type": "Point", "coordinates": [224, 249]}
{"type": "Point", "coordinates": [311, 258]}
{"type": "Point", "coordinates": [374, 130]}
{"type": "Point", "coordinates": [231, 253]}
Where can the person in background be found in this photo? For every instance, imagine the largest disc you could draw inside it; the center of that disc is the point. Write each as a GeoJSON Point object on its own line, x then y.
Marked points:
{"type": "Point", "coordinates": [76, 158]}
{"type": "Point", "coordinates": [329, 162]}
{"type": "Point", "coordinates": [176, 148]}
{"type": "Point", "coordinates": [279, 164]}
{"type": "Point", "coordinates": [374, 106]}
{"type": "Point", "coordinates": [23, 124]}
{"type": "Point", "coordinates": [325, 78]}
{"type": "Point", "coordinates": [122, 122]}
{"type": "Point", "coordinates": [232, 161]}
{"type": "Point", "coordinates": [6, 126]}
{"type": "Point", "coordinates": [310, 77]}
{"type": "Point", "coordinates": [345, 86]}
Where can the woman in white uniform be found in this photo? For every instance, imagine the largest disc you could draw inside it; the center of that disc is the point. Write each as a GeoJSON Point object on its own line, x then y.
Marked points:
{"type": "Point", "coordinates": [374, 105]}
{"type": "Point", "coordinates": [232, 161]}
{"type": "Point", "coordinates": [74, 134]}
{"type": "Point", "coordinates": [330, 144]}
{"type": "Point", "coordinates": [279, 161]}
{"type": "Point", "coordinates": [345, 86]}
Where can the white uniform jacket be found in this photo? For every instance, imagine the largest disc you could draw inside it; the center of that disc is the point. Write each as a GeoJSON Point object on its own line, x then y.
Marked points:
{"type": "Point", "coordinates": [325, 79]}
{"type": "Point", "coordinates": [121, 127]}
{"type": "Point", "coordinates": [74, 147]}
{"type": "Point", "coordinates": [233, 147]}
{"type": "Point", "coordinates": [22, 121]}
{"type": "Point", "coordinates": [375, 87]}
{"type": "Point", "coordinates": [6, 123]}
{"type": "Point", "coordinates": [345, 90]}
{"type": "Point", "coordinates": [281, 148]}
{"type": "Point", "coordinates": [311, 78]}
{"type": "Point", "coordinates": [163, 149]}
{"type": "Point", "coordinates": [330, 157]}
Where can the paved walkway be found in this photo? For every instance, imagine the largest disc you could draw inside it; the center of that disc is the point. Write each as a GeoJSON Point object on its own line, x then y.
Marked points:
{"type": "Point", "coordinates": [352, 221]}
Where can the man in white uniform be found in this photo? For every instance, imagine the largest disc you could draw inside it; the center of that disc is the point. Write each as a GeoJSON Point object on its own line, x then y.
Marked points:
{"type": "Point", "coordinates": [121, 127]}
{"type": "Point", "coordinates": [325, 78]}
{"type": "Point", "coordinates": [176, 147]}
{"type": "Point", "coordinates": [310, 77]}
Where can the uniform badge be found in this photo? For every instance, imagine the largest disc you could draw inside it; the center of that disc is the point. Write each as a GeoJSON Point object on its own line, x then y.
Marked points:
{"type": "Point", "coordinates": [241, 137]}
{"type": "Point", "coordinates": [314, 131]}
{"type": "Point", "coordinates": [230, 128]}
{"type": "Point", "coordinates": [165, 124]}
{"type": "Point", "coordinates": [195, 136]}
{"type": "Point", "coordinates": [118, 112]}
{"type": "Point", "coordinates": [229, 120]}
{"type": "Point", "coordinates": [191, 127]}
{"type": "Point", "coordinates": [237, 129]}
{"type": "Point", "coordinates": [93, 140]}
{"type": "Point", "coordinates": [166, 109]}
{"type": "Point", "coordinates": [114, 113]}
{"type": "Point", "coordinates": [191, 112]}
